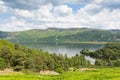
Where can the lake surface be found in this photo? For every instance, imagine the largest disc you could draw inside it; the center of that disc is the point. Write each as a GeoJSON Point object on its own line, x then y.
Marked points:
{"type": "Point", "coordinates": [69, 49]}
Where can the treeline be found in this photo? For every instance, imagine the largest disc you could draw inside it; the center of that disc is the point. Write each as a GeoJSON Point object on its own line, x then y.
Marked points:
{"type": "Point", "coordinates": [109, 55]}
{"type": "Point", "coordinates": [23, 58]}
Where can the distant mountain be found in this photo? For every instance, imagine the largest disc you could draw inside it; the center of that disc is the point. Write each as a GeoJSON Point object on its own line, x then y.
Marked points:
{"type": "Point", "coordinates": [63, 35]}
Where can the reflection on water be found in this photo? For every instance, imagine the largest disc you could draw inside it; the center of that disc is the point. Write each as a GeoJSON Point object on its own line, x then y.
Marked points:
{"type": "Point", "coordinates": [69, 49]}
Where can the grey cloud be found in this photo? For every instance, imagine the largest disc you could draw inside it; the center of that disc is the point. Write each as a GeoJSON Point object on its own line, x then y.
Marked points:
{"type": "Point", "coordinates": [94, 11]}
{"type": "Point", "coordinates": [103, 4]}
{"type": "Point", "coordinates": [24, 4]}
{"type": "Point", "coordinates": [111, 4]}
{"type": "Point", "coordinates": [34, 4]}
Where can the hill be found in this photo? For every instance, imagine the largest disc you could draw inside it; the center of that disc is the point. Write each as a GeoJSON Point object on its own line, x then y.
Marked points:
{"type": "Point", "coordinates": [63, 35]}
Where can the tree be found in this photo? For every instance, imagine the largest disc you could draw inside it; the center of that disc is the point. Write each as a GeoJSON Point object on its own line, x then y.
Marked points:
{"type": "Point", "coordinates": [7, 55]}
{"type": "Point", "coordinates": [19, 60]}
{"type": "Point", "coordinates": [85, 51]}
{"type": "Point", "coordinates": [2, 64]}
{"type": "Point", "coordinates": [99, 62]}
{"type": "Point", "coordinates": [17, 47]}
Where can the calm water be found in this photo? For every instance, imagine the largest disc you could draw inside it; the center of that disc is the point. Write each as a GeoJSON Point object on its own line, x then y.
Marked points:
{"type": "Point", "coordinates": [69, 49]}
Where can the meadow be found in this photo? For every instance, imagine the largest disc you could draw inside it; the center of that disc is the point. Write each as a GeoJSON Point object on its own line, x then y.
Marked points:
{"type": "Point", "coordinates": [98, 74]}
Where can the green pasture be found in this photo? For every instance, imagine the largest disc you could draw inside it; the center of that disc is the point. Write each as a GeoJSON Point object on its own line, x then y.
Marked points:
{"type": "Point", "coordinates": [98, 74]}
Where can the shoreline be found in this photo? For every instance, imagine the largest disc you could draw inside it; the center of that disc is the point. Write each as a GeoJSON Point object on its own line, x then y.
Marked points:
{"type": "Point", "coordinates": [69, 42]}
{"type": "Point", "coordinates": [88, 42]}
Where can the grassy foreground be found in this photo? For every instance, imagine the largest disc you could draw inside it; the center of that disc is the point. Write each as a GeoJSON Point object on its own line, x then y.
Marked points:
{"type": "Point", "coordinates": [99, 74]}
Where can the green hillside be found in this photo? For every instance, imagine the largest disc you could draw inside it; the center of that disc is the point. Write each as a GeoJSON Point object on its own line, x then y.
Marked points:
{"type": "Point", "coordinates": [87, 36]}
{"type": "Point", "coordinates": [20, 58]}
{"type": "Point", "coordinates": [40, 35]}
{"type": "Point", "coordinates": [64, 35]}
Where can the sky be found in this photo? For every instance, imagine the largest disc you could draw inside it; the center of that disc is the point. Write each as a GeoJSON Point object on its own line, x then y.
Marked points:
{"type": "Point", "coordinates": [19, 15]}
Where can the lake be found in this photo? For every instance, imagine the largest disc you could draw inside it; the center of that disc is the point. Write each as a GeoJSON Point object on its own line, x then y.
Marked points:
{"type": "Point", "coordinates": [69, 49]}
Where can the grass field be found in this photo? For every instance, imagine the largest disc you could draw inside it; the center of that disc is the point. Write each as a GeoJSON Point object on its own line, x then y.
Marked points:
{"type": "Point", "coordinates": [99, 74]}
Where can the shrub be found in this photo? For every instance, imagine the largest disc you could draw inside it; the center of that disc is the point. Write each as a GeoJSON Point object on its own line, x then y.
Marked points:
{"type": "Point", "coordinates": [2, 64]}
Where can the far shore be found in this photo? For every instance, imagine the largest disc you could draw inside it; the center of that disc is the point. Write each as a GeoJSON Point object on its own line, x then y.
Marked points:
{"type": "Point", "coordinates": [71, 42]}
{"type": "Point", "coordinates": [89, 42]}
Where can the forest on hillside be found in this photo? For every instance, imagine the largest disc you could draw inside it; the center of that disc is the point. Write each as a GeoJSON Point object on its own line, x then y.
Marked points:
{"type": "Point", "coordinates": [22, 58]}
{"type": "Point", "coordinates": [109, 55]}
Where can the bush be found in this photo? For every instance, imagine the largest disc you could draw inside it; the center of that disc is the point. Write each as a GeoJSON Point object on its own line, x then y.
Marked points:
{"type": "Point", "coordinates": [18, 68]}
{"type": "Point", "coordinates": [2, 64]}
{"type": "Point", "coordinates": [99, 62]}
{"type": "Point", "coordinates": [59, 70]}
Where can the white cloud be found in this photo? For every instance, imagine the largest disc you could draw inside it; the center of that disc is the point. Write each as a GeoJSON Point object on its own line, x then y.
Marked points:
{"type": "Point", "coordinates": [44, 11]}
{"type": "Point", "coordinates": [62, 11]}
{"type": "Point", "coordinates": [3, 8]}
{"type": "Point", "coordinates": [105, 19]}
{"type": "Point", "coordinates": [14, 25]}
{"type": "Point", "coordinates": [92, 15]}
{"type": "Point", "coordinates": [24, 13]}
{"type": "Point", "coordinates": [93, 8]}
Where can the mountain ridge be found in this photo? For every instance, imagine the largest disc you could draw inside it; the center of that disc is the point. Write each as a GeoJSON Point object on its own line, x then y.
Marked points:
{"type": "Point", "coordinates": [63, 35]}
